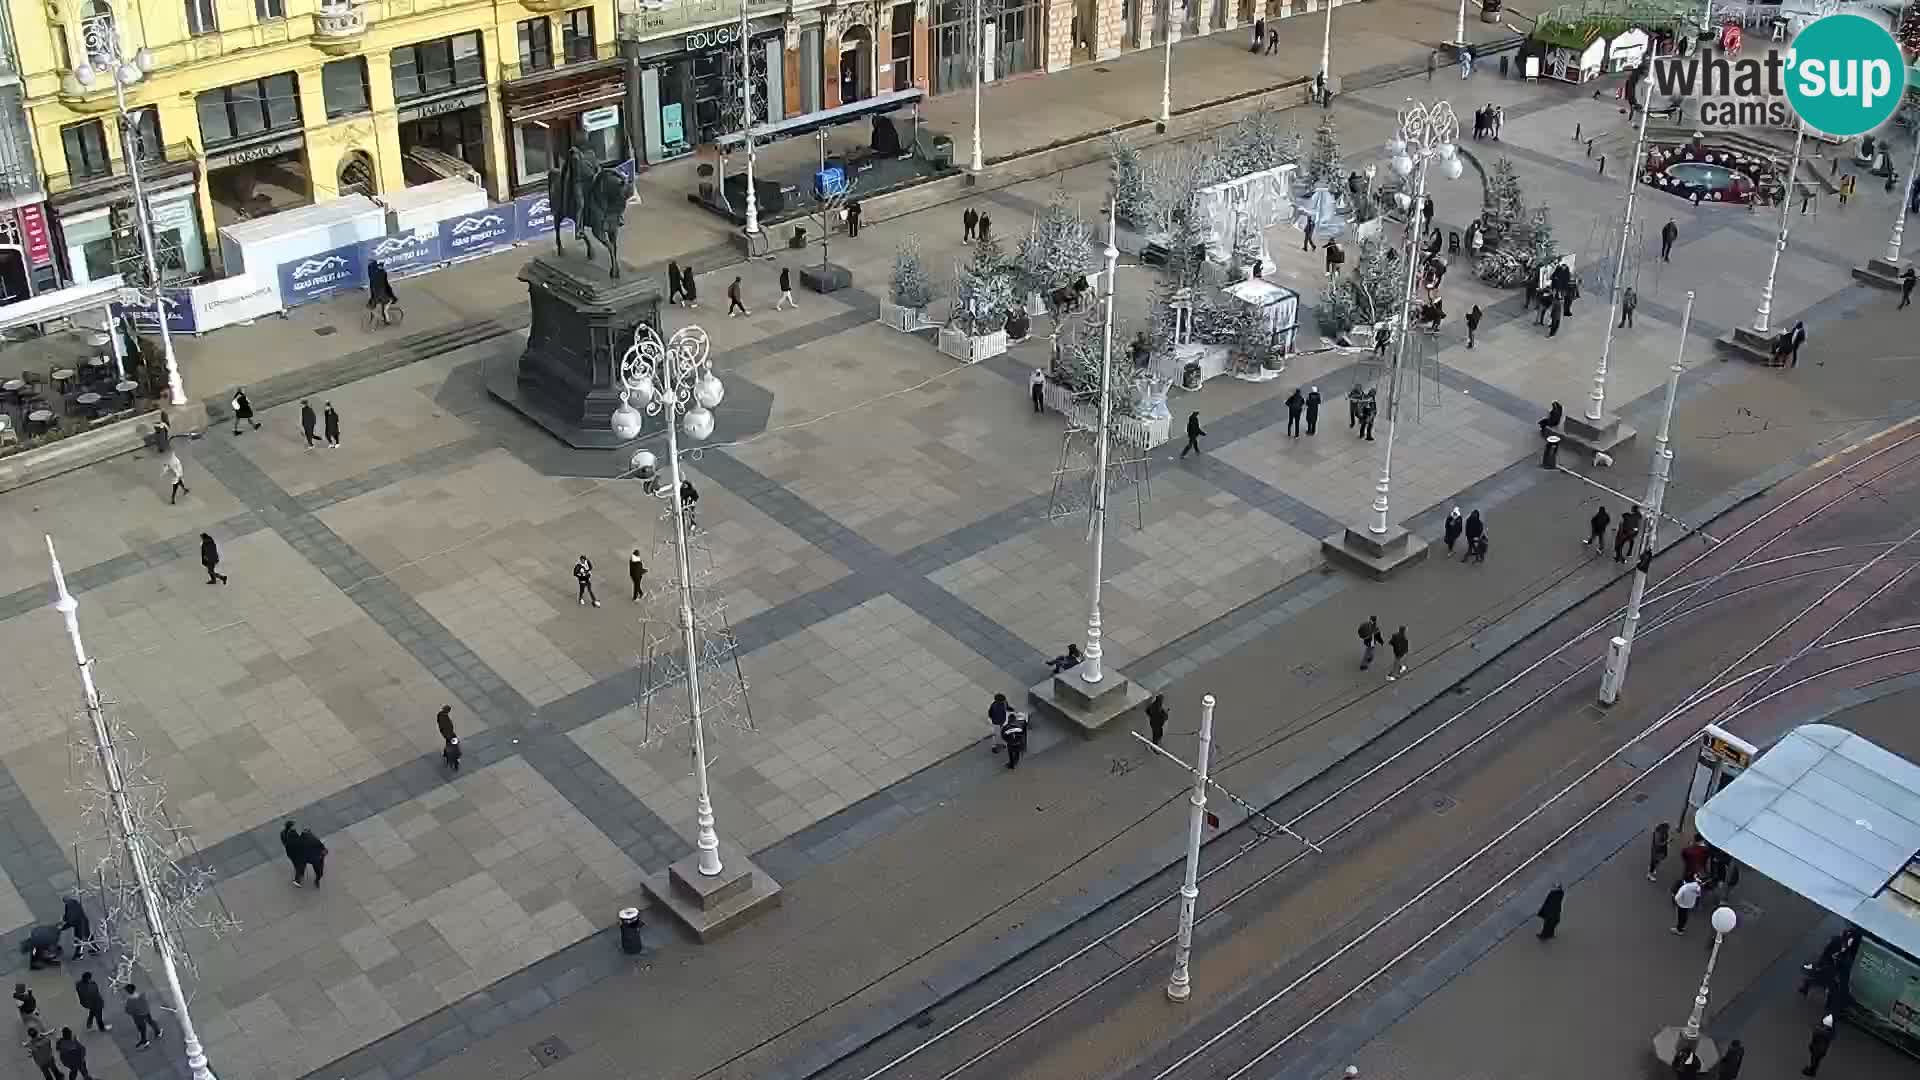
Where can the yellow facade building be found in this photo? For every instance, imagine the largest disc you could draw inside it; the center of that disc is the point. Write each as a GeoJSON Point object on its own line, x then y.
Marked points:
{"type": "Point", "coordinates": [253, 106]}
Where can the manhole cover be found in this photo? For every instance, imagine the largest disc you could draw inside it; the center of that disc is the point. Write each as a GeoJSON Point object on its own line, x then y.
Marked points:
{"type": "Point", "coordinates": [324, 331]}
{"type": "Point", "coordinates": [1443, 804]}
{"type": "Point", "coordinates": [550, 1051]}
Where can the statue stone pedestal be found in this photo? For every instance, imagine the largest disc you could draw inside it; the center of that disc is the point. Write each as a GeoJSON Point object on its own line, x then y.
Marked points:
{"type": "Point", "coordinates": [568, 379]}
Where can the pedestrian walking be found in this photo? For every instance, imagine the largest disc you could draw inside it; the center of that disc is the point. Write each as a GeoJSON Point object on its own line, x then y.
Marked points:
{"type": "Point", "coordinates": [690, 503]}
{"type": "Point", "coordinates": [1626, 534]}
{"type": "Point", "coordinates": [1354, 400]}
{"type": "Point", "coordinates": [1037, 389]}
{"type": "Point", "coordinates": [1684, 899]}
{"type": "Point", "coordinates": [1259, 34]}
{"type": "Point", "coordinates": [1668, 234]}
{"type": "Point", "coordinates": [1433, 61]}
{"type": "Point", "coordinates": [786, 291]}
{"type": "Point", "coordinates": [176, 474]}
{"type": "Point", "coordinates": [1466, 64]}
{"type": "Point", "coordinates": [450, 753]}
{"type": "Point", "coordinates": [1307, 229]}
{"type": "Point", "coordinates": [1398, 643]}
{"type": "Point", "coordinates": [689, 289]}
{"type": "Point", "coordinates": [997, 714]}
{"type": "Point", "coordinates": [28, 1003]}
{"type": "Point", "coordinates": [1014, 734]}
{"type": "Point", "coordinates": [1597, 532]}
{"type": "Point", "coordinates": [1368, 410]}
{"type": "Point", "coordinates": [1313, 409]}
{"type": "Point", "coordinates": [1906, 288]}
{"type": "Point", "coordinates": [442, 720]}
{"type": "Point", "coordinates": [210, 558]}
{"type": "Point", "coordinates": [1296, 404]}
{"type": "Point", "coordinates": [1474, 315]}
{"type": "Point", "coordinates": [1157, 717]}
{"type": "Point", "coordinates": [735, 307]}
{"type": "Point", "coordinates": [673, 281]}
{"type": "Point", "coordinates": [1796, 338]}
{"type": "Point", "coordinates": [637, 572]}
{"type": "Point", "coordinates": [1369, 637]}
{"type": "Point", "coordinates": [73, 1055]}
{"type": "Point", "coordinates": [93, 1001]}
{"type": "Point", "coordinates": [309, 423]}
{"type": "Point", "coordinates": [1553, 324]}
{"type": "Point", "coordinates": [1549, 913]}
{"type": "Point", "coordinates": [1694, 858]}
{"type": "Point", "coordinates": [1273, 39]}
{"type": "Point", "coordinates": [1629, 300]}
{"type": "Point", "coordinates": [242, 411]}
{"type": "Point", "coordinates": [853, 218]}
{"type": "Point", "coordinates": [1475, 530]}
{"type": "Point", "coordinates": [40, 1048]}
{"type": "Point", "coordinates": [1818, 1045]}
{"type": "Point", "coordinates": [1730, 1061]}
{"type": "Point", "coordinates": [1382, 335]}
{"type": "Point", "coordinates": [583, 576]}
{"type": "Point", "coordinates": [1658, 852]}
{"type": "Point", "coordinates": [315, 853]}
{"type": "Point", "coordinates": [1335, 257]}
{"type": "Point", "coordinates": [73, 916]}
{"type": "Point", "coordinates": [140, 1011]}
{"type": "Point", "coordinates": [969, 223]}
{"type": "Point", "coordinates": [986, 228]}
{"type": "Point", "coordinates": [290, 841]}
{"type": "Point", "coordinates": [1450, 532]}
{"type": "Point", "coordinates": [163, 434]}
{"type": "Point", "coordinates": [1194, 434]}
{"type": "Point", "coordinates": [330, 423]}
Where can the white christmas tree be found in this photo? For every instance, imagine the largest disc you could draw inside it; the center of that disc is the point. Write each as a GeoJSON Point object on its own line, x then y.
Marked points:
{"type": "Point", "coordinates": [1260, 140]}
{"type": "Point", "coordinates": [911, 286]}
{"type": "Point", "coordinates": [1055, 254]}
{"type": "Point", "coordinates": [983, 291]}
{"type": "Point", "coordinates": [1505, 209]}
{"type": "Point", "coordinates": [1369, 293]}
{"type": "Point", "coordinates": [1323, 167]}
{"type": "Point", "coordinates": [1127, 181]}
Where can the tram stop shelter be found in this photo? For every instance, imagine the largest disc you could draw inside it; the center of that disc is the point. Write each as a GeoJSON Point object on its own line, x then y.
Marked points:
{"type": "Point", "coordinates": [1836, 818]}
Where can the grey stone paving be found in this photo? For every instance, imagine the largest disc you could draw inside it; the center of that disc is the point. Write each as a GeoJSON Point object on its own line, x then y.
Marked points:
{"type": "Point", "coordinates": [449, 455]}
{"type": "Point", "coordinates": [101, 574]}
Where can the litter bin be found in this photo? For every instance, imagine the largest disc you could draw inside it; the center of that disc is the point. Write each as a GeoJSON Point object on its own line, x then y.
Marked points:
{"type": "Point", "coordinates": [1550, 457]}
{"type": "Point", "coordinates": [630, 931]}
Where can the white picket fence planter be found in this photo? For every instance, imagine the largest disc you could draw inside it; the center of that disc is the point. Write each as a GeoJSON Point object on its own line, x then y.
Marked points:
{"type": "Point", "coordinates": [1149, 432]}
{"type": "Point", "coordinates": [907, 320]}
{"type": "Point", "coordinates": [968, 349]}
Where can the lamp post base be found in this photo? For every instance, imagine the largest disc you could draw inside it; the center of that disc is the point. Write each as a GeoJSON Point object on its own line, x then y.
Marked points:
{"type": "Point", "coordinates": [1087, 707]}
{"type": "Point", "coordinates": [1667, 1043]}
{"type": "Point", "coordinates": [1749, 344]}
{"type": "Point", "coordinates": [717, 905]}
{"type": "Point", "coordinates": [1881, 274]}
{"type": "Point", "coordinates": [1377, 556]}
{"type": "Point", "coordinates": [1602, 436]}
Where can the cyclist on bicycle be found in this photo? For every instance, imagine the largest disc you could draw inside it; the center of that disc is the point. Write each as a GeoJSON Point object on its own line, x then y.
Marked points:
{"type": "Point", "coordinates": [380, 295]}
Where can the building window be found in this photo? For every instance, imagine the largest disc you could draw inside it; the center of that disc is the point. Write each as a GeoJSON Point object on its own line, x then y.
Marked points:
{"type": "Point", "coordinates": [86, 150]}
{"type": "Point", "coordinates": [902, 55]}
{"type": "Point", "coordinates": [343, 84]}
{"type": "Point", "coordinates": [147, 147]}
{"type": "Point", "coordinates": [200, 17]}
{"type": "Point", "coordinates": [578, 35]}
{"type": "Point", "coordinates": [248, 108]}
{"type": "Point", "coordinates": [536, 45]}
{"type": "Point", "coordinates": [269, 10]}
{"type": "Point", "coordinates": [433, 66]}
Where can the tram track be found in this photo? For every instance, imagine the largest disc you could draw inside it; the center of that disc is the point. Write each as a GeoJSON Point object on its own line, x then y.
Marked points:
{"type": "Point", "coordinates": [1048, 990]}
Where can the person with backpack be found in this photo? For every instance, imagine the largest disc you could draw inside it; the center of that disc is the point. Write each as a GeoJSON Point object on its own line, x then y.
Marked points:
{"type": "Point", "coordinates": [316, 854]}
{"type": "Point", "coordinates": [1369, 637]}
{"type": "Point", "coordinates": [786, 291]}
{"type": "Point", "coordinates": [1014, 734]}
{"type": "Point", "coordinates": [1398, 642]}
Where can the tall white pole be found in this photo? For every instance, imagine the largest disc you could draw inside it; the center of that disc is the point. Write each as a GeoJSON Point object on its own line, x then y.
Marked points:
{"type": "Point", "coordinates": [1621, 651]}
{"type": "Point", "coordinates": [1166, 69]}
{"type": "Point", "coordinates": [1765, 310]}
{"type": "Point", "coordinates": [1090, 670]}
{"type": "Point", "coordinates": [1460, 26]}
{"type": "Point", "coordinates": [1690, 1034]}
{"type": "Point", "coordinates": [150, 905]}
{"type": "Point", "coordinates": [979, 162]}
{"type": "Point", "coordinates": [1597, 400]}
{"type": "Point", "coordinates": [707, 840]}
{"type": "Point", "coordinates": [176, 392]}
{"type": "Point", "coordinates": [1706, 19]}
{"type": "Point", "coordinates": [746, 104]}
{"type": "Point", "coordinates": [1895, 238]}
{"type": "Point", "coordinates": [1326, 43]}
{"type": "Point", "coordinates": [1416, 222]}
{"type": "Point", "coordinates": [1180, 984]}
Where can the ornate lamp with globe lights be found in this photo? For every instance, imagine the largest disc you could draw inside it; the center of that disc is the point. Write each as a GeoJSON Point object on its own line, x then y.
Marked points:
{"type": "Point", "coordinates": [674, 379]}
{"type": "Point", "coordinates": [1670, 1043]}
{"type": "Point", "coordinates": [100, 41]}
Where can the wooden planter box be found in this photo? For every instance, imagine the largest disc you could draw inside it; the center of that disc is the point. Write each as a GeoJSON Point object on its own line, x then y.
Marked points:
{"type": "Point", "coordinates": [968, 349]}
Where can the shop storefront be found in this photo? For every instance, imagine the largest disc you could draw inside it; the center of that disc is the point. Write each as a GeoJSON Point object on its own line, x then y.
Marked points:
{"type": "Point", "coordinates": [256, 153]}
{"type": "Point", "coordinates": [26, 253]}
{"type": "Point", "coordinates": [440, 91]}
{"type": "Point", "coordinates": [1015, 41]}
{"type": "Point", "coordinates": [554, 111]}
{"type": "Point", "coordinates": [690, 85]}
{"type": "Point", "coordinates": [96, 233]}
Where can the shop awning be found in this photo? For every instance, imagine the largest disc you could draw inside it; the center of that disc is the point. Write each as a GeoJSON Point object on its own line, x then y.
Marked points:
{"type": "Point", "coordinates": [840, 114]}
{"type": "Point", "coordinates": [1836, 819]}
{"type": "Point", "coordinates": [65, 303]}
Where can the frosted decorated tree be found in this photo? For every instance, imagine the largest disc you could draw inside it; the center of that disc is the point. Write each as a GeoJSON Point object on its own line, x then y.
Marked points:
{"type": "Point", "coordinates": [1127, 181]}
{"type": "Point", "coordinates": [1368, 293]}
{"type": "Point", "coordinates": [911, 286]}
{"type": "Point", "coordinates": [1260, 140]}
{"type": "Point", "coordinates": [983, 291]}
{"type": "Point", "coordinates": [1908, 32]}
{"type": "Point", "coordinates": [1078, 369]}
{"type": "Point", "coordinates": [1056, 253]}
{"type": "Point", "coordinates": [1323, 165]}
{"type": "Point", "coordinates": [1545, 252]}
{"type": "Point", "coordinates": [1505, 209]}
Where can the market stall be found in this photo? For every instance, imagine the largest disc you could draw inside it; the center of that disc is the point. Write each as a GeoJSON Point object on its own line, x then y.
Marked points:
{"type": "Point", "coordinates": [1279, 309]}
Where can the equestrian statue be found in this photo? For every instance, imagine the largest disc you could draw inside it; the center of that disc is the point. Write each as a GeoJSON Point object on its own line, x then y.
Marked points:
{"type": "Point", "coordinates": [594, 198]}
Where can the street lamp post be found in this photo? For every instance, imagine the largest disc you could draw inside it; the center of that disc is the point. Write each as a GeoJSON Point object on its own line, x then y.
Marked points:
{"type": "Point", "coordinates": [1724, 920]}
{"type": "Point", "coordinates": [1426, 133]}
{"type": "Point", "coordinates": [1180, 984]}
{"type": "Point", "coordinates": [1090, 670]}
{"type": "Point", "coordinates": [101, 42]}
{"type": "Point", "coordinates": [1896, 237]}
{"type": "Point", "coordinates": [675, 379]}
{"type": "Point", "coordinates": [123, 823]}
{"type": "Point", "coordinates": [979, 74]}
{"type": "Point", "coordinates": [1620, 649]}
{"type": "Point", "coordinates": [1166, 69]}
{"type": "Point", "coordinates": [746, 105]}
{"type": "Point", "coordinates": [1761, 315]}
{"type": "Point", "coordinates": [1597, 400]}
{"type": "Point", "coordinates": [1460, 27]}
{"type": "Point", "coordinates": [1326, 45]}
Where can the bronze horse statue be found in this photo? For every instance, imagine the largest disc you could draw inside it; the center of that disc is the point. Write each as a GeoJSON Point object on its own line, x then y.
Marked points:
{"type": "Point", "coordinates": [594, 198]}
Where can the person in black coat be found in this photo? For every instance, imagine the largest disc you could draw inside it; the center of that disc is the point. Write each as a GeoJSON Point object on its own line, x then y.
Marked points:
{"type": "Point", "coordinates": [688, 288]}
{"type": "Point", "coordinates": [637, 571]}
{"type": "Point", "coordinates": [1626, 534]}
{"type": "Point", "coordinates": [1549, 913]}
{"type": "Point", "coordinates": [316, 855]}
{"type": "Point", "coordinates": [1398, 643]}
{"type": "Point", "coordinates": [309, 423]}
{"type": "Point", "coordinates": [1556, 415]}
{"type": "Point", "coordinates": [1014, 734]}
{"type": "Point", "coordinates": [1730, 1061]}
{"type": "Point", "coordinates": [1450, 532]}
{"type": "Point", "coordinates": [290, 842]}
{"type": "Point", "coordinates": [1818, 1045]}
{"type": "Point", "coordinates": [969, 223]}
{"type": "Point", "coordinates": [1474, 529]}
{"type": "Point", "coordinates": [986, 228]}
{"type": "Point", "coordinates": [1296, 403]}
{"type": "Point", "coordinates": [786, 291]}
{"type": "Point", "coordinates": [673, 281]}
{"type": "Point", "coordinates": [73, 916]}
{"type": "Point", "coordinates": [853, 218]}
{"type": "Point", "coordinates": [243, 410]}
{"type": "Point", "coordinates": [73, 1054]}
{"type": "Point", "coordinates": [93, 1001]}
{"type": "Point", "coordinates": [330, 423]}
{"type": "Point", "coordinates": [1597, 525]}
{"type": "Point", "coordinates": [42, 946]}
{"type": "Point", "coordinates": [1157, 717]}
{"type": "Point", "coordinates": [210, 558]}
{"type": "Point", "coordinates": [997, 714]}
{"type": "Point", "coordinates": [1313, 409]}
{"type": "Point", "coordinates": [1194, 434]}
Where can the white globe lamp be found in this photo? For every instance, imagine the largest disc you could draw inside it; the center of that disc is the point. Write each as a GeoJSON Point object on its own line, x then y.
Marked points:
{"type": "Point", "coordinates": [698, 424]}
{"type": "Point", "coordinates": [625, 421]}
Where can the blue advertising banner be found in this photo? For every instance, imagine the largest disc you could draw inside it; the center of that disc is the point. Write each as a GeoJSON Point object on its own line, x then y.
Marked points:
{"type": "Point", "coordinates": [533, 216]}
{"type": "Point", "coordinates": [478, 233]}
{"type": "Point", "coordinates": [178, 304]}
{"type": "Point", "coordinates": [415, 251]}
{"type": "Point", "coordinates": [319, 276]}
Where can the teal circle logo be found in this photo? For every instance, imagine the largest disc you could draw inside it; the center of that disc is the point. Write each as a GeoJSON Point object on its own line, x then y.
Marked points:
{"type": "Point", "coordinates": [1845, 75]}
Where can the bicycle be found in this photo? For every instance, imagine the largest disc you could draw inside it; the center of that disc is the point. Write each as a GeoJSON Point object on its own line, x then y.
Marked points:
{"type": "Point", "coordinates": [384, 314]}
